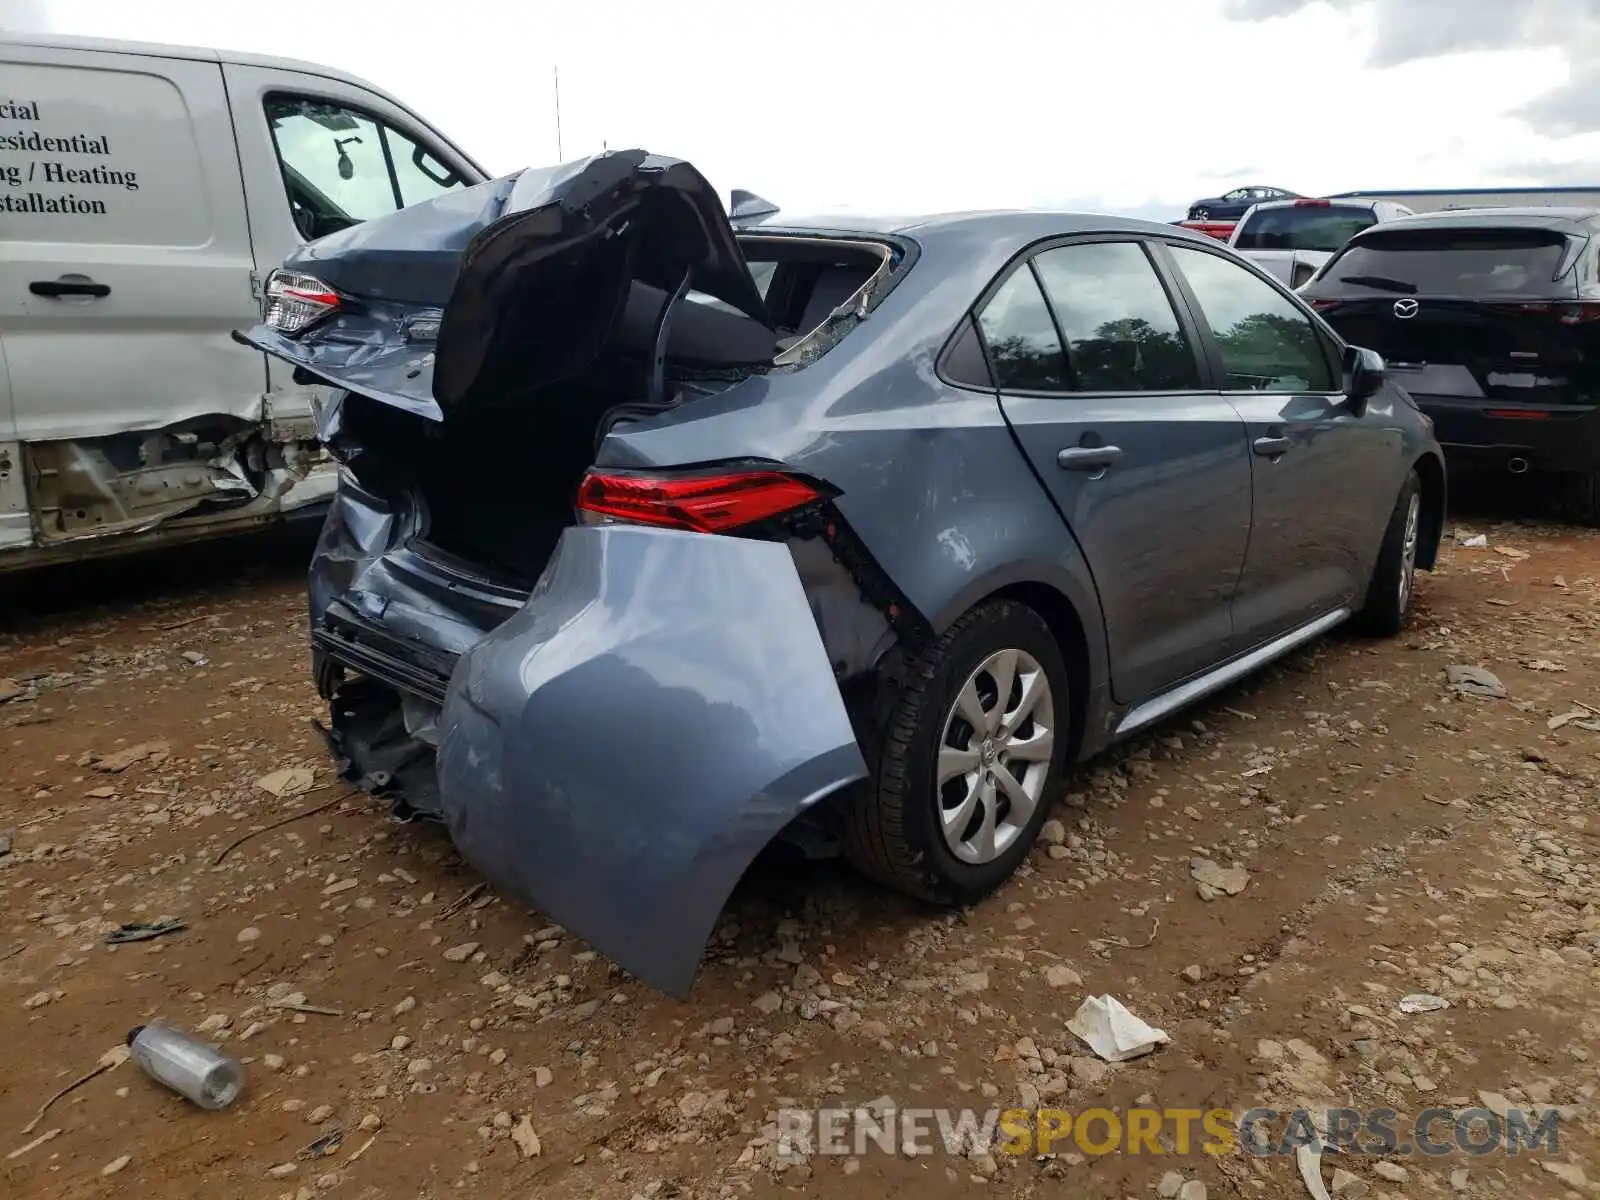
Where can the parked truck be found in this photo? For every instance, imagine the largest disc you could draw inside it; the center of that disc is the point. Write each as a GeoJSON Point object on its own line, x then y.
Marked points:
{"type": "Point", "coordinates": [1291, 239]}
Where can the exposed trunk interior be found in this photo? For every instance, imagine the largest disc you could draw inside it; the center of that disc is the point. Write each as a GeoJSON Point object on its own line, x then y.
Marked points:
{"type": "Point", "coordinates": [495, 487]}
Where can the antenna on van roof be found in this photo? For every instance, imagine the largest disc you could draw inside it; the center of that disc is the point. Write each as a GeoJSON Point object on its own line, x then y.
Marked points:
{"type": "Point", "coordinates": [747, 206]}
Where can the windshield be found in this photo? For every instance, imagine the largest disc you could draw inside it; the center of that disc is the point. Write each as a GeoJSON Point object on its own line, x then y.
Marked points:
{"type": "Point", "coordinates": [1303, 227]}
{"type": "Point", "coordinates": [1450, 262]}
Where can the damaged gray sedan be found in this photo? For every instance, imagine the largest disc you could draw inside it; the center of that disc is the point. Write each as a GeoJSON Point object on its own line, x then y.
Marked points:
{"type": "Point", "coordinates": [656, 540]}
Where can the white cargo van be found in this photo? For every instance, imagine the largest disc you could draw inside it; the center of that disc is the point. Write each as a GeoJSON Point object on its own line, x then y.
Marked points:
{"type": "Point", "coordinates": [145, 193]}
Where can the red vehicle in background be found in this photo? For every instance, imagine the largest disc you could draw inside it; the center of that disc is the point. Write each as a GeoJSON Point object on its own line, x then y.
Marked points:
{"type": "Point", "coordinates": [1221, 230]}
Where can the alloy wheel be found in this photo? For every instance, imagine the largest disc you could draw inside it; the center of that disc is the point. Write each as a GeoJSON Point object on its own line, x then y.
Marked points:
{"type": "Point", "coordinates": [994, 756]}
{"type": "Point", "coordinates": [1408, 549]}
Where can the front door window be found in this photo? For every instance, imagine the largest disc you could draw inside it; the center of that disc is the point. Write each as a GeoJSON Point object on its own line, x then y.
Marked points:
{"type": "Point", "coordinates": [342, 166]}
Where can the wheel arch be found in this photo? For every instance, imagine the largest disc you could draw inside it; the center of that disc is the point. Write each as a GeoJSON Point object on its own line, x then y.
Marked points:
{"type": "Point", "coordinates": [1430, 474]}
{"type": "Point", "coordinates": [1069, 606]}
{"type": "Point", "coordinates": [1066, 626]}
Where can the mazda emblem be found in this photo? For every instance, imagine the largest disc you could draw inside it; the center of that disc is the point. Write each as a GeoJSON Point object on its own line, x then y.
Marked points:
{"type": "Point", "coordinates": [1405, 309]}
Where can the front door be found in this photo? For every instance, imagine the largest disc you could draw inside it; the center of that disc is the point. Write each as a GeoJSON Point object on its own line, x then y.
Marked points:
{"type": "Point", "coordinates": [1102, 384]}
{"type": "Point", "coordinates": [1322, 475]}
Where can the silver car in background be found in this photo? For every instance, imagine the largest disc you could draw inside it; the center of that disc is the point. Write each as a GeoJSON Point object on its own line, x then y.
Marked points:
{"type": "Point", "coordinates": [1292, 239]}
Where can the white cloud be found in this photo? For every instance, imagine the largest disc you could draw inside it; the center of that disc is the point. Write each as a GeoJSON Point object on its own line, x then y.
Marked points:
{"type": "Point", "coordinates": [1555, 44]}
{"type": "Point", "coordinates": [912, 105]}
{"type": "Point", "coordinates": [24, 14]}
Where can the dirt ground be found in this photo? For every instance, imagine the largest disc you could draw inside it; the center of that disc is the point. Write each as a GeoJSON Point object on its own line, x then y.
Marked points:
{"type": "Point", "coordinates": [1399, 837]}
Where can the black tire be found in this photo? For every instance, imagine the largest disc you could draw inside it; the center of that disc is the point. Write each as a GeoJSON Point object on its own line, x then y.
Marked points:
{"type": "Point", "coordinates": [891, 830]}
{"type": "Point", "coordinates": [1580, 498]}
{"type": "Point", "coordinates": [1388, 606]}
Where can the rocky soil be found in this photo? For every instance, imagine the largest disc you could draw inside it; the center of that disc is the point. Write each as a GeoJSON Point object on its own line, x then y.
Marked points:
{"type": "Point", "coordinates": [1265, 878]}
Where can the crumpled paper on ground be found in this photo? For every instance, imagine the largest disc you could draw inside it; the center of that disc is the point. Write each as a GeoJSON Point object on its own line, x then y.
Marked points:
{"type": "Point", "coordinates": [1112, 1032]}
{"type": "Point", "coordinates": [287, 782]}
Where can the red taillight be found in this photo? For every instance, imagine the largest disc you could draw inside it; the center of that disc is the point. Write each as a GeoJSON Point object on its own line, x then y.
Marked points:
{"type": "Point", "coordinates": [701, 503]}
{"type": "Point", "coordinates": [1221, 230]}
{"type": "Point", "coordinates": [1309, 203]}
{"type": "Point", "coordinates": [295, 302]}
{"type": "Point", "coordinates": [1324, 305]}
{"type": "Point", "coordinates": [1568, 312]}
{"type": "Point", "coordinates": [1518, 414]}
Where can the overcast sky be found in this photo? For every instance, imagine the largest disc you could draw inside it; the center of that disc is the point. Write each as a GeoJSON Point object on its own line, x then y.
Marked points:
{"type": "Point", "coordinates": [902, 106]}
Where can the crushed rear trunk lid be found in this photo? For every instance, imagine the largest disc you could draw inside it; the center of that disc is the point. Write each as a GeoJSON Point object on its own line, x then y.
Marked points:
{"type": "Point", "coordinates": [516, 283]}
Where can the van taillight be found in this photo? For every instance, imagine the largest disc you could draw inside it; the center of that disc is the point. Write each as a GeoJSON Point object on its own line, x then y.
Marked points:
{"type": "Point", "coordinates": [295, 302]}
{"type": "Point", "coordinates": [1310, 203]}
{"type": "Point", "coordinates": [708, 502]}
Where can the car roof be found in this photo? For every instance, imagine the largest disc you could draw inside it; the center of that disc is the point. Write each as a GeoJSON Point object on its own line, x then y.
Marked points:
{"type": "Point", "coordinates": [1021, 226]}
{"type": "Point", "coordinates": [1566, 220]}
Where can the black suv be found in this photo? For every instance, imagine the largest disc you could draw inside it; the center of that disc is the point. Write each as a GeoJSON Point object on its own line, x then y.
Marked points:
{"type": "Point", "coordinates": [1490, 318]}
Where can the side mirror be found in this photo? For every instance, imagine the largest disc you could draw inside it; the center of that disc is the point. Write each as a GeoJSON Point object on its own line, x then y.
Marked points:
{"type": "Point", "coordinates": [1364, 374]}
{"type": "Point", "coordinates": [347, 169]}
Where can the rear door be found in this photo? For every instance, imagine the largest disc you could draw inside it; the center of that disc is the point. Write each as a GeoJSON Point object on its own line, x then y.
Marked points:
{"type": "Point", "coordinates": [1323, 477]}
{"type": "Point", "coordinates": [1471, 321]}
{"type": "Point", "coordinates": [1102, 384]}
{"type": "Point", "coordinates": [125, 260]}
{"type": "Point", "coordinates": [319, 155]}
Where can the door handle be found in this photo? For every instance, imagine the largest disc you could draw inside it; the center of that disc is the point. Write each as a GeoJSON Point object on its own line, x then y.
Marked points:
{"type": "Point", "coordinates": [1087, 458]}
{"type": "Point", "coordinates": [1271, 446]}
{"type": "Point", "coordinates": [56, 288]}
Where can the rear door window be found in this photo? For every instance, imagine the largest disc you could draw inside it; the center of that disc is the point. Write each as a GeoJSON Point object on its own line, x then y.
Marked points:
{"type": "Point", "coordinates": [1121, 332]}
{"type": "Point", "coordinates": [1024, 347]}
{"type": "Point", "coordinates": [1466, 263]}
{"type": "Point", "coordinates": [1266, 343]}
{"type": "Point", "coordinates": [1303, 227]}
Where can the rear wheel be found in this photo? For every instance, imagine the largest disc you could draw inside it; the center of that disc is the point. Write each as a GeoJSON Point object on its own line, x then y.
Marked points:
{"type": "Point", "coordinates": [1580, 497]}
{"type": "Point", "coordinates": [968, 757]}
{"type": "Point", "coordinates": [1389, 595]}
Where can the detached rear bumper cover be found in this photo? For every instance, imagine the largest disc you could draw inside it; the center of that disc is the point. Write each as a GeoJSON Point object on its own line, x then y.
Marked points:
{"type": "Point", "coordinates": [617, 753]}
